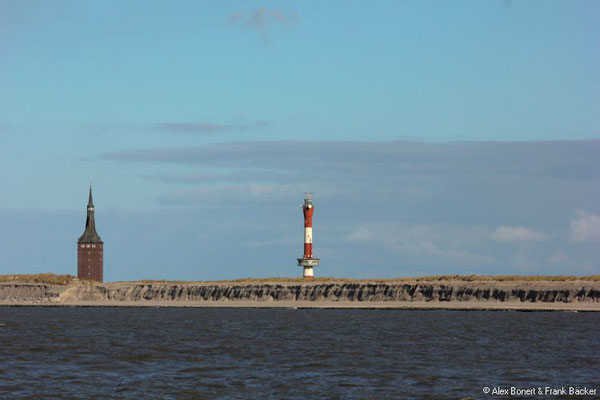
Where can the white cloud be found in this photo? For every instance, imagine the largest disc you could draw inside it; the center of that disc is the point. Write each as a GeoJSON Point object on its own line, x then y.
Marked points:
{"type": "Point", "coordinates": [423, 241]}
{"type": "Point", "coordinates": [430, 249]}
{"type": "Point", "coordinates": [559, 257]}
{"type": "Point", "coordinates": [585, 227]}
{"type": "Point", "coordinates": [515, 234]}
{"type": "Point", "coordinates": [359, 235]}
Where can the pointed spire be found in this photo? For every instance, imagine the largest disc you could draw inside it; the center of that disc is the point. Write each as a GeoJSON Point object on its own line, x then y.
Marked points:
{"type": "Point", "coordinates": [90, 200]}
{"type": "Point", "coordinates": [90, 235]}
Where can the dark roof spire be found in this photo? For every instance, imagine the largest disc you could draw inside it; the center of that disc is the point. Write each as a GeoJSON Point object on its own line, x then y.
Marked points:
{"type": "Point", "coordinates": [91, 200]}
{"type": "Point", "coordinates": [90, 235]}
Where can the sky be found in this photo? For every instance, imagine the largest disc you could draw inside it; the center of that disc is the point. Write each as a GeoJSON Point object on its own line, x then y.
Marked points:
{"type": "Point", "coordinates": [457, 137]}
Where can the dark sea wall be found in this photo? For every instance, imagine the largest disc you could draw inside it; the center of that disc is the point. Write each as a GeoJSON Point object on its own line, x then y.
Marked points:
{"type": "Point", "coordinates": [28, 292]}
{"type": "Point", "coordinates": [454, 292]}
{"type": "Point", "coordinates": [539, 292]}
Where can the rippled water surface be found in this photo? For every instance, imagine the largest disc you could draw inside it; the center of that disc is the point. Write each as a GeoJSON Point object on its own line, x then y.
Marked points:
{"type": "Point", "coordinates": [285, 353]}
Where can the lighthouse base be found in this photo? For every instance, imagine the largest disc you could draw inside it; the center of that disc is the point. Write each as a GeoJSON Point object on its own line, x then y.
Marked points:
{"type": "Point", "coordinates": [308, 272]}
{"type": "Point", "coordinates": [308, 264]}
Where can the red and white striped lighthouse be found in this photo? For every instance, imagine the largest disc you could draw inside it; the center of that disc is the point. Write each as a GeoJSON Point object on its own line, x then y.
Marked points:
{"type": "Point", "coordinates": [308, 261]}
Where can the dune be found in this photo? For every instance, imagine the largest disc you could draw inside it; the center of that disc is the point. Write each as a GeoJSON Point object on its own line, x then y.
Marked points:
{"type": "Point", "coordinates": [579, 294]}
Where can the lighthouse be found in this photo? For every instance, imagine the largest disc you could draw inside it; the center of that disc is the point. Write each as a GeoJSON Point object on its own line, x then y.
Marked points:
{"type": "Point", "coordinates": [308, 261]}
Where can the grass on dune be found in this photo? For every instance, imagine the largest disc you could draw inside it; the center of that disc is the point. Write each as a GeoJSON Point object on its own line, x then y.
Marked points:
{"type": "Point", "coordinates": [55, 279]}
{"type": "Point", "coordinates": [49, 278]}
{"type": "Point", "coordinates": [462, 278]}
{"type": "Point", "coordinates": [509, 278]}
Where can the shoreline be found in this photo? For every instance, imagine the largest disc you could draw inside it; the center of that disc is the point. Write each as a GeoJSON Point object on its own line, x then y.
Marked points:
{"type": "Point", "coordinates": [343, 305]}
{"type": "Point", "coordinates": [441, 295]}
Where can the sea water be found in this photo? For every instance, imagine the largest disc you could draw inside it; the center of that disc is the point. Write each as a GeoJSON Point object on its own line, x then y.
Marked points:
{"type": "Point", "coordinates": [179, 353]}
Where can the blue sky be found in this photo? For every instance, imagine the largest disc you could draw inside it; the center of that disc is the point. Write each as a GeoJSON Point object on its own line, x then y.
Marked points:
{"type": "Point", "coordinates": [438, 137]}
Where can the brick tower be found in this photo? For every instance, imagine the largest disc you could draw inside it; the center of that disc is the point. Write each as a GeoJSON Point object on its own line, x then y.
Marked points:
{"type": "Point", "coordinates": [90, 248]}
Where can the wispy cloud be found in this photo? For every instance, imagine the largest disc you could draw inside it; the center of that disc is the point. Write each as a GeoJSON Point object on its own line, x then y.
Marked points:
{"type": "Point", "coordinates": [516, 234]}
{"type": "Point", "coordinates": [585, 227]}
{"type": "Point", "coordinates": [425, 241]}
{"type": "Point", "coordinates": [559, 258]}
{"type": "Point", "coordinates": [560, 159]}
{"type": "Point", "coordinates": [451, 181]}
{"type": "Point", "coordinates": [208, 177]}
{"type": "Point", "coordinates": [362, 234]}
{"type": "Point", "coordinates": [208, 127]}
{"type": "Point", "coordinates": [287, 240]}
{"type": "Point", "coordinates": [230, 193]}
{"type": "Point", "coordinates": [263, 19]}
{"type": "Point", "coordinates": [452, 205]}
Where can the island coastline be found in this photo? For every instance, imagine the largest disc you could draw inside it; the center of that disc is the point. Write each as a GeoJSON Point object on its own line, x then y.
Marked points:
{"type": "Point", "coordinates": [518, 295]}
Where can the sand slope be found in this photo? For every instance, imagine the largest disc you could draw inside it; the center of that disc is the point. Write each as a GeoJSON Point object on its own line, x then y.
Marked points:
{"type": "Point", "coordinates": [571, 295]}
